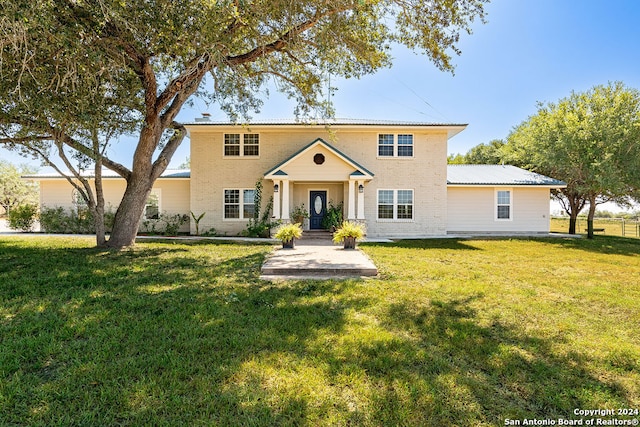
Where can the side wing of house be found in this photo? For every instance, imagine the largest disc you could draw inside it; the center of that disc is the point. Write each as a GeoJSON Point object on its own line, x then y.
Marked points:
{"type": "Point", "coordinates": [170, 193]}
{"type": "Point", "coordinates": [390, 176]}
{"type": "Point", "coordinates": [497, 199]}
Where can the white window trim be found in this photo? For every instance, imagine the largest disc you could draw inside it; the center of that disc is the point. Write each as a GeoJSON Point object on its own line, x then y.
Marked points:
{"type": "Point", "coordinates": [242, 190]}
{"type": "Point", "coordinates": [241, 156]}
{"type": "Point", "coordinates": [395, 146]}
{"type": "Point", "coordinates": [154, 192]}
{"type": "Point", "coordinates": [495, 204]}
{"type": "Point", "coordinates": [395, 205]}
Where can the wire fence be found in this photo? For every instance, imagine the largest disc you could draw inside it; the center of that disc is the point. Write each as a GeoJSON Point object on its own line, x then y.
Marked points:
{"type": "Point", "coordinates": [608, 226]}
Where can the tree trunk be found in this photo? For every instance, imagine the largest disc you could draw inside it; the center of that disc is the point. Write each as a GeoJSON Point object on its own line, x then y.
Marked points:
{"type": "Point", "coordinates": [592, 213]}
{"type": "Point", "coordinates": [127, 220]}
{"type": "Point", "coordinates": [98, 215]}
{"type": "Point", "coordinates": [576, 204]}
{"type": "Point", "coordinates": [572, 223]}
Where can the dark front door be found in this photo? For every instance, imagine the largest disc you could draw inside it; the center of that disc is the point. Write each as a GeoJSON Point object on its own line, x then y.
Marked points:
{"type": "Point", "coordinates": [318, 207]}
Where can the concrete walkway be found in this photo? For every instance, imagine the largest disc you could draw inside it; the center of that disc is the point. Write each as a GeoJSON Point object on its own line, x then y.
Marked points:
{"type": "Point", "coordinates": [316, 259]}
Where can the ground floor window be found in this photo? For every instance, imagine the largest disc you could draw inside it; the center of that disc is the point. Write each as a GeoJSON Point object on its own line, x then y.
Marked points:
{"type": "Point", "coordinates": [395, 204]}
{"type": "Point", "coordinates": [152, 207]}
{"type": "Point", "coordinates": [503, 204]}
{"type": "Point", "coordinates": [239, 203]}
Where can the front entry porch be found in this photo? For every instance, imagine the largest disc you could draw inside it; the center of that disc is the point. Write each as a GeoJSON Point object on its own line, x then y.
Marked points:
{"type": "Point", "coordinates": [317, 199]}
{"type": "Point", "coordinates": [315, 179]}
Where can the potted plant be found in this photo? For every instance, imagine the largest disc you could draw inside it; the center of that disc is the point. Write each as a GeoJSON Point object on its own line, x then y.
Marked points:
{"type": "Point", "coordinates": [287, 233]}
{"type": "Point", "coordinates": [332, 217]}
{"type": "Point", "coordinates": [299, 213]}
{"type": "Point", "coordinates": [348, 233]}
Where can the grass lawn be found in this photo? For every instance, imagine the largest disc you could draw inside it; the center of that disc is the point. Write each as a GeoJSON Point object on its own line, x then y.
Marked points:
{"type": "Point", "coordinates": [454, 332]}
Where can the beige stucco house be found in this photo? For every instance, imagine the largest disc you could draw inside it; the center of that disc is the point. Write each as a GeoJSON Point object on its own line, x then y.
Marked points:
{"type": "Point", "coordinates": [392, 176]}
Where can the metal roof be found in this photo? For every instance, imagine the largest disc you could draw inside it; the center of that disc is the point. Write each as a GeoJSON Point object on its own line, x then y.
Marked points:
{"type": "Point", "coordinates": [320, 122]}
{"type": "Point", "coordinates": [109, 174]}
{"type": "Point", "coordinates": [497, 175]}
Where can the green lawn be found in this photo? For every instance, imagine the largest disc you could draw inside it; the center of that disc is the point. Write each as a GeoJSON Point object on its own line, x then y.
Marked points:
{"type": "Point", "coordinates": [454, 332]}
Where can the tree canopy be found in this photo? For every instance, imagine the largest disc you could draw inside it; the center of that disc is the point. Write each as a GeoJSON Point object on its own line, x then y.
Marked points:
{"type": "Point", "coordinates": [482, 154]}
{"type": "Point", "coordinates": [76, 71]}
{"type": "Point", "coordinates": [590, 140]}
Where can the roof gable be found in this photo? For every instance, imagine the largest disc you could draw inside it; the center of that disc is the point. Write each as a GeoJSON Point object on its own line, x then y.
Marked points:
{"type": "Point", "coordinates": [335, 164]}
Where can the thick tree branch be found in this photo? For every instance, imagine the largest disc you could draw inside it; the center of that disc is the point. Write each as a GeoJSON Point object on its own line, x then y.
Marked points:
{"type": "Point", "coordinates": [85, 191]}
{"type": "Point", "coordinates": [282, 41]}
{"type": "Point", "coordinates": [181, 88]}
{"type": "Point", "coordinates": [25, 139]}
{"type": "Point", "coordinates": [45, 158]}
{"type": "Point", "coordinates": [169, 149]}
{"type": "Point", "coordinates": [72, 143]}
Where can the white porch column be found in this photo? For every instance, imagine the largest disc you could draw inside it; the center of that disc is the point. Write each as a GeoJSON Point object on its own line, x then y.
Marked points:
{"type": "Point", "coordinates": [276, 199]}
{"type": "Point", "coordinates": [351, 207]}
{"type": "Point", "coordinates": [285, 198]}
{"type": "Point", "coordinates": [360, 200]}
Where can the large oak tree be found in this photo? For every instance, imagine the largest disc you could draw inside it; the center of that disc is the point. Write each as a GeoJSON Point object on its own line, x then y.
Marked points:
{"type": "Point", "coordinates": [75, 73]}
{"type": "Point", "coordinates": [590, 140]}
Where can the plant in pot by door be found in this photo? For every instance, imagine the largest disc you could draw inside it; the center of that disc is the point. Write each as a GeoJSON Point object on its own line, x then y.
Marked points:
{"type": "Point", "coordinates": [287, 233]}
{"type": "Point", "coordinates": [332, 217]}
{"type": "Point", "coordinates": [299, 213]}
{"type": "Point", "coordinates": [348, 233]}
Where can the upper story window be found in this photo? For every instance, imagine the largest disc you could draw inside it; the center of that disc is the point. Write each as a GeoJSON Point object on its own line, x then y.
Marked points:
{"type": "Point", "coordinates": [392, 145]}
{"type": "Point", "coordinates": [241, 145]}
{"type": "Point", "coordinates": [503, 205]}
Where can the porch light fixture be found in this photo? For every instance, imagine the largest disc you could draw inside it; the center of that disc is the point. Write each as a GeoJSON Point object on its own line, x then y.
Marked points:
{"type": "Point", "coordinates": [360, 188]}
{"type": "Point", "coordinates": [276, 188]}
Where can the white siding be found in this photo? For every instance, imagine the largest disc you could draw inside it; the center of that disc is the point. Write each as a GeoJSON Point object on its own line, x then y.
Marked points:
{"type": "Point", "coordinates": [472, 210]}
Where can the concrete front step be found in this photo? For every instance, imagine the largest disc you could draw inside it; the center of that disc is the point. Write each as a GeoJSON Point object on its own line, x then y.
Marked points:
{"type": "Point", "coordinates": [322, 272]}
{"type": "Point", "coordinates": [316, 235]}
{"type": "Point", "coordinates": [316, 259]}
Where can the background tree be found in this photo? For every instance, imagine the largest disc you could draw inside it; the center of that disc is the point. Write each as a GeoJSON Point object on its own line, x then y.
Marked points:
{"type": "Point", "coordinates": [591, 141]}
{"type": "Point", "coordinates": [145, 60]}
{"type": "Point", "coordinates": [456, 159]}
{"type": "Point", "coordinates": [482, 154]}
{"type": "Point", "coordinates": [486, 154]}
{"type": "Point", "coordinates": [186, 164]}
{"type": "Point", "coordinates": [14, 191]}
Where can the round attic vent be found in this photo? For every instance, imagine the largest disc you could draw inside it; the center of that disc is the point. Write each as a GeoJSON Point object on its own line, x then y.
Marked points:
{"type": "Point", "coordinates": [318, 159]}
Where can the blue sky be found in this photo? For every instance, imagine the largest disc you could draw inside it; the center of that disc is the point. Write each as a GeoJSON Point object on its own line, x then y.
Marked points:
{"type": "Point", "coordinates": [528, 51]}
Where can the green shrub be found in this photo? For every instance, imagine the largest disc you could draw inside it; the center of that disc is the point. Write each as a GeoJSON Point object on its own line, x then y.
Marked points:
{"type": "Point", "coordinates": [333, 217]}
{"type": "Point", "coordinates": [23, 217]}
{"type": "Point", "coordinates": [299, 213]}
{"type": "Point", "coordinates": [70, 221]}
{"type": "Point", "coordinates": [173, 223]}
{"type": "Point", "coordinates": [260, 225]}
{"type": "Point", "coordinates": [209, 233]}
{"type": "Point", "coordinates": [165, 225]}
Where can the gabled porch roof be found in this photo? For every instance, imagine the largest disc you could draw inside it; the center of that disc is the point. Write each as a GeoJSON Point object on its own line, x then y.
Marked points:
{"type": "Point", "coordinates": [279, 171]}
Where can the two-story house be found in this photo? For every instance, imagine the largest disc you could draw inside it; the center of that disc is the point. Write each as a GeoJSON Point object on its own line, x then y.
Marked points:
{"type": "Point", "coordinates": [392, 176]}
